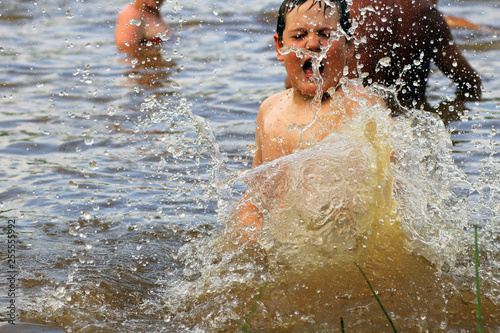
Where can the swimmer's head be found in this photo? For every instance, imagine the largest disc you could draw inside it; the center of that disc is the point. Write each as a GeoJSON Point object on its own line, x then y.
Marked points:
{"type": "Point", "coordinates": [313, 44]}
{"type": "Point", "coordinates": [288, 5]}
{"type": "Point", "coordinates": [152, 3]}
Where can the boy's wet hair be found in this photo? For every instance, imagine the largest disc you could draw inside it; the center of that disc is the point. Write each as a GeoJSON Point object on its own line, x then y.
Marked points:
{"type": "Point", "coordinates": [288, 5]}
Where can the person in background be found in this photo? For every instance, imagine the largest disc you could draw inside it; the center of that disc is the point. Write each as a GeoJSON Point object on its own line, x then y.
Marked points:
{"type": "Point", "coordinates": [139, 26]}
{"type": "Point", "coordinates": [395, 43]}
{"type": "Point", "coordinates": [397, 40]}
{"type": "Point", "coordinates": [455, 22]}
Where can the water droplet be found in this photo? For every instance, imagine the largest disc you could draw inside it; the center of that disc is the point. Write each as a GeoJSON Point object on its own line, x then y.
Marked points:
{"type": "Point", "coordinates": [175, 85]}
{"type": "Point", "coordinates": [69, 16]}
{"type": "Point", "coordinates": [385, 62]}
{"type": "Point", "coordinates": [111, 110]}
{"type": "Point", "coordinates": [93, 165]}
{"type": "Point", "coordinates": [135, 22]}
{"type": "Point", "coordinates": [60, 290]}
{"type": "Point", "coordinates": [85, 214]}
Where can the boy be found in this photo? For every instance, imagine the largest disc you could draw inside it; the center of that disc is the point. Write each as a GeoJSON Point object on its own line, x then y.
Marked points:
{"type": "Point", "coordinates": [312, 39]}
{"type": "Point", "coordinates": [309, 32]}
{"type": "Point", "coordinates": [139, 26]}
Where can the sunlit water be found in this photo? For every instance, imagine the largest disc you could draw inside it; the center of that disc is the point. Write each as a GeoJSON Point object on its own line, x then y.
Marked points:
{"type": "Point", "coordinates": [113, 175]}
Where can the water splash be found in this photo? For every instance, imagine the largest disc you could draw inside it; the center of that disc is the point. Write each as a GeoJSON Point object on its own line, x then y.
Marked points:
{"type": "Point", "coordinates": [308, 241]}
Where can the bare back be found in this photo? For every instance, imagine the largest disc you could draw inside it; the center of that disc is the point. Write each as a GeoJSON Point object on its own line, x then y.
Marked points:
{"type": "Point", "coordinates": [139, 28]}
{"type": "Point", "coordinates": [400, 39]}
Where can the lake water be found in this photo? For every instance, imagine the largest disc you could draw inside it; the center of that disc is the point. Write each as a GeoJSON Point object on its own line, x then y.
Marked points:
{"type": "Point", "coordinates": [110, 185]}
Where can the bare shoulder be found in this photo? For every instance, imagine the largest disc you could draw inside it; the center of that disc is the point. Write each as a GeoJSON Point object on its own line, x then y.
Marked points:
{"type": "Point", "coordinates": [128, 13]}
{"type": "Point", "coordinates": [271, 115]}
{"type": "Point", "coordinates": [272, 104]}
{"type": "Point", "coordinates": [357, 92]}
{"type": "Point", "coordinates": [275, 99]}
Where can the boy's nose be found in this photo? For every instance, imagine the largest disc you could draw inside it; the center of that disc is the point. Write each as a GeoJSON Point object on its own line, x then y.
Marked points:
{"type": "Point", "coordinates": [313, 43]}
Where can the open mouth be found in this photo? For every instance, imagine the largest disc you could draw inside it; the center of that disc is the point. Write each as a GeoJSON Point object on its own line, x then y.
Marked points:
{"type": "Point", "coordinates": [308, 69]}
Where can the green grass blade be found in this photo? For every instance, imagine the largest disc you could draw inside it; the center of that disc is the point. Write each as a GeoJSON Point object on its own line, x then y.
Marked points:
{"type": "Point", "coordinates": [246, 325]}
{"type": "Point", "coordinates": [342, 324]}
{"type": "Point", "coordinates": [376, 297]}
{"type": "Point", "coordinates": [478, 293]}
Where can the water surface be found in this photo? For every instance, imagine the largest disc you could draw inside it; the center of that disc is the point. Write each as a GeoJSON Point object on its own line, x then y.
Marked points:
{"type": "Point", "coordinates": [107, 180]}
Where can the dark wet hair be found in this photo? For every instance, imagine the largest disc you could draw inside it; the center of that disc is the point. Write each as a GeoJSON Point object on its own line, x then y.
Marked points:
{"type": "Point", "coordinates": [288, 5]}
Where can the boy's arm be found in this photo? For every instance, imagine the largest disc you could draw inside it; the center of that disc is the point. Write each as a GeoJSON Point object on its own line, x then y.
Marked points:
{"type": "Point", "coordinates": [247, 219]}
{"type": "Point", "coordinates": [259, 126]}
{"type": "Point", "coordinates": [451, 62]}
{"type": "Point", "coordinates": [247, 216]}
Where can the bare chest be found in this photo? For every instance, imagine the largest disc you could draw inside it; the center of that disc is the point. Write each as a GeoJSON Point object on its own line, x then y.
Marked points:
{"type": "Point", "coordinates": [287, 134]}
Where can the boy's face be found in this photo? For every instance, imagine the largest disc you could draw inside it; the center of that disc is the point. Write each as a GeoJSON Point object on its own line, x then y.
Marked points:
{"type": "Point", "coordinates": [309, 28]}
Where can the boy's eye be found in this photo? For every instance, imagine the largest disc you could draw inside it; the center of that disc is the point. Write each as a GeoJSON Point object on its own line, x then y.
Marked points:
{"type": "Point", "coordinates": [325, 34]}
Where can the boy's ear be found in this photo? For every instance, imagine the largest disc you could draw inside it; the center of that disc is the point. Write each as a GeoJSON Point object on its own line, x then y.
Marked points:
{"type": "Point", "coordinates": [278, 45]}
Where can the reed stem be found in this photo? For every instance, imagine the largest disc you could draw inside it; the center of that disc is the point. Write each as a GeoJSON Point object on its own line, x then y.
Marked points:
{"type": "Point", "coordinates": [246, 325]}
{"type": "Point", "coordinates": [478, 293]}
{"type": "Point", "coordinates": [376, 297]}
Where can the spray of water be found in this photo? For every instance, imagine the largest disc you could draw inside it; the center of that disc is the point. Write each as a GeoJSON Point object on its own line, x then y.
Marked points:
{"type": "Point", "coordinates": [384, 192]}
{"type": "Point", "coordinates": [380, 191]}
